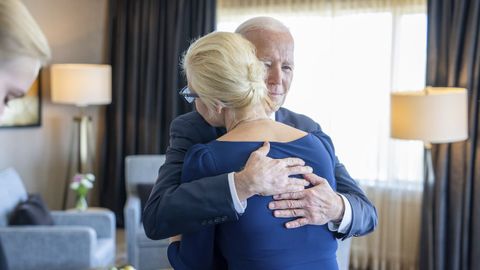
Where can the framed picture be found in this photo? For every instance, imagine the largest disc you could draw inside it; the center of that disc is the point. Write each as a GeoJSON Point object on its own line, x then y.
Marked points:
{"type": "Point", "coordinates": [25, 111]}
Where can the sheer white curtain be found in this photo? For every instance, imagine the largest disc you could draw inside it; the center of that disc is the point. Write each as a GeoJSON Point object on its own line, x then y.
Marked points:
{"type": "Point", "coordinates": [349, 56]}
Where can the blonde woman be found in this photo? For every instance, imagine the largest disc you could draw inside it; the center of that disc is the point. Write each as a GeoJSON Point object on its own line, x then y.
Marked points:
{"type": "Point", "coordinates": [226, 80]}
{"type": "Point", "coordinates": [23, 50]}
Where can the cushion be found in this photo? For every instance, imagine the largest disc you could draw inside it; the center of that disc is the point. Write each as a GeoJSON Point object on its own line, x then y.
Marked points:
{"type": "Point", "coordinates": [31, 212]}
{"type": "Point", "coordinates": [143, 191]}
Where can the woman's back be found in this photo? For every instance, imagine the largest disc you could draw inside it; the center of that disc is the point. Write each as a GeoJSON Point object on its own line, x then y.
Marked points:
{"type": "Point", "coordinates": [258, 240]}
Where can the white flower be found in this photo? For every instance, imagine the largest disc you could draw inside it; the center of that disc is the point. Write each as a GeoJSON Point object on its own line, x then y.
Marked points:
{"type": "Point", "coordinates": [81, 183]}
{"type": "Point", "coordinates": [90, 177]}
{"type": "Point", "coordinates": [86, 183]}
{"type": "Point", "coordinates": [75, 185]}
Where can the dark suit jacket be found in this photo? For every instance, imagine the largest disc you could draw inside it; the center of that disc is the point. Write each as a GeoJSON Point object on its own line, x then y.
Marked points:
{"type": "Point", "coordinates": [174, 208]}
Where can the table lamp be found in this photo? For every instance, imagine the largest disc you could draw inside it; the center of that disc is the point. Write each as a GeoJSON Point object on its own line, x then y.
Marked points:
{"type": "Point", "coordinates": [434, 115]}
{"type": "Point", "coordinates": [81, 85]}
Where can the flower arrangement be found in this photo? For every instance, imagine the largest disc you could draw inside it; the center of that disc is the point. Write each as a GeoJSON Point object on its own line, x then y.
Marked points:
{"type": "Point", "coordinates": [123, 267]}
{"type": "Point", "coordinates": [81, 184]}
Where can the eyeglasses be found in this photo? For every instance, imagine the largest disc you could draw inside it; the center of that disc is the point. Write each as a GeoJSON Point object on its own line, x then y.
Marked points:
{"type": "Point", "coordinates": [187, 94]}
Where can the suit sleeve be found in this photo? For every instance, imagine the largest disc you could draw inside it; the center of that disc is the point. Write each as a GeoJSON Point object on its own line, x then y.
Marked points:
{"type": "Point", "coordinates": [174, 207]}
{"type": "Point", "coordinates": [364, 213]}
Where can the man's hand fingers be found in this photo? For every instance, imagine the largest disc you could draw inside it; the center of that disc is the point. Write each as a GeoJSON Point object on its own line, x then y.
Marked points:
{"type": "Point", "coordinates": [264, 149]}
{"type": "Point", "coordinates": [289, 196]}
{"type": "Point", "coordinates": [298, 181]}
{"type": "Point", "coordinates": [293, 162]}
{"type": "Point", "coordinates": [314, 179]}
{"type": "Point", "coordinates": [299, 222]}
{"type": "Point", "coordinates": [294, 170]}
{"type": "Point", "coordinates": [286, 204]}
{"type": "Point", "coordinates": [292, 188]}
{"type": "Point", "coordinates": [289, 213]}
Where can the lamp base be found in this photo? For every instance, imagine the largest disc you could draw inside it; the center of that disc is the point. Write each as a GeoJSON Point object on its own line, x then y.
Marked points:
{"type": "Point", "coordinates": [427, 211]}
{"type": "Point", "coordinates": [80, 151]}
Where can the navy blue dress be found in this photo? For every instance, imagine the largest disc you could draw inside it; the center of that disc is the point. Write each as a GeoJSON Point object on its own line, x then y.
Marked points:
{"type": "Point", "coordinates": [258, 240]}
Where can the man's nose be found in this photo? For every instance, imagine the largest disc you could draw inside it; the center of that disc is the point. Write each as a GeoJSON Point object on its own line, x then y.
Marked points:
{"type": "Point", "coordinates": [275, 75]}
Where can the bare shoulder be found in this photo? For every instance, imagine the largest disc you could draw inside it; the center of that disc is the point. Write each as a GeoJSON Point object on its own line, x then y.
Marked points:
{"type": "Point", "coordinates": [266, 131]}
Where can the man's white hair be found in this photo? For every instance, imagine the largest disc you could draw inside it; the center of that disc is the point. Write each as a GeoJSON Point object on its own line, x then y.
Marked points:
{"type": "Point", "coordinates": [262, 23]}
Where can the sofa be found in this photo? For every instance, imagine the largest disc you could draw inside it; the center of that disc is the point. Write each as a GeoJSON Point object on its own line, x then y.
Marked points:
{"type": "Point", "coordinates": [77, 240]}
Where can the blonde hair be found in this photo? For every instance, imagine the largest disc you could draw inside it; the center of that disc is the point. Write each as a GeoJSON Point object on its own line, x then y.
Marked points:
{"type": "Point", "coordinates": [19, 33]}
{"type": "Point", "coordinates": [222, 69]}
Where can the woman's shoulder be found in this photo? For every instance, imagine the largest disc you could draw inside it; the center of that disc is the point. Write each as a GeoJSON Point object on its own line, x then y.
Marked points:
{"type": "Point", "coordinates": [199, 159]}
{"type": "Point", "coordinates": [325, 140]}
{"type": "Point", "coordinates": [264, 131]}
{"type": "Point", "coordinates": [199, 152]}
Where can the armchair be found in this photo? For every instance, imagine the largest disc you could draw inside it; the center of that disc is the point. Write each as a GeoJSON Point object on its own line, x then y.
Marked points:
{"type": "Point", "coordinates": [78, 240]}
{"type": "Point", "coordinates": [142, 252]}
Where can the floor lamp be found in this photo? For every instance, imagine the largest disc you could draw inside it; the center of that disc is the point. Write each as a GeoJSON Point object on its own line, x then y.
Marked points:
{"type": "Point", "coordinates": [434, 115]}
{"type": "Point", "coordinates": [81, 85]}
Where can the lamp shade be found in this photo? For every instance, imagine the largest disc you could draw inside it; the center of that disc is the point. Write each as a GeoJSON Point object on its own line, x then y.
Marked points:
{"type": "Point", "coordinates": [435, 115]}
{"type": "Point", "coordinates": [81, 84]}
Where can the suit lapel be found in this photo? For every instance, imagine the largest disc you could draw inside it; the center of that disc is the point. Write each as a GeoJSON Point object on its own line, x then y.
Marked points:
{"type": "Point", "coordinates": [220, 131]}
{"type": "Point", "coordinates": [280, 116]}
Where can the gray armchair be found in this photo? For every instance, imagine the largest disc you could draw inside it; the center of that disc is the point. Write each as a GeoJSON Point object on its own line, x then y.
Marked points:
{"type": "Point", "coordinates": [142, 252]}
{"type": "Point", "coordinates": [78, 240]}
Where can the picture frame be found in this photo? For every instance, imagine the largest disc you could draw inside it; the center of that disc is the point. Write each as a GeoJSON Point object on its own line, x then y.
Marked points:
{"type": "Point", "coordinates": [26, 111]}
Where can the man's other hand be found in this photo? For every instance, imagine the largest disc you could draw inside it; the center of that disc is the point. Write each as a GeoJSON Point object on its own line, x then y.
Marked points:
{"type": "Point", "coordinates": [316, 205]}
{"type": "Point", "coordinates": [175, 238]}
{"type": "Point", "coordinates": [266, 176]}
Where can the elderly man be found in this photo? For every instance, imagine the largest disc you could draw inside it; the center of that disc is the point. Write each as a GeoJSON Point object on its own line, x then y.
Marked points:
{"type": "Point", "coordinates": [174, 208]}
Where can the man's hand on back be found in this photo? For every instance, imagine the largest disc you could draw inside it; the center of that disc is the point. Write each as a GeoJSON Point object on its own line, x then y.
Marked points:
{"type": "Point", "coordinates": [266, 176]}
{"type": "Point", "coordinates": [313, 206]}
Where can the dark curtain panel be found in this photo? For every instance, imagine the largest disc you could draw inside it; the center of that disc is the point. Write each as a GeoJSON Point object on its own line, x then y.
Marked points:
{"type": "Point", "coordinates": [453, 59]}
{"type": "Point", "coordinates": [147, 40]}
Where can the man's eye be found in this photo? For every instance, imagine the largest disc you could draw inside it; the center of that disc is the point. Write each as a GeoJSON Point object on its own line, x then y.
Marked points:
{"type": "Point", "coordinates": [267, 64]}
{"type": "Point", "coordinates": [289, 68]}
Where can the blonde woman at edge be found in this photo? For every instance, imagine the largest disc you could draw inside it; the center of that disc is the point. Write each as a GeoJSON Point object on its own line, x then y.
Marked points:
{"type": "Point", "coordinates": [227, 82]}
{"type": "Point", "coordinates": [23, 50]}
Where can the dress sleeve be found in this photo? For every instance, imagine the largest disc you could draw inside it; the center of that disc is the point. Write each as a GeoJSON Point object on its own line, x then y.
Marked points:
{"type": "Point", "coordinates": [199, 163]}
{"type": "Point", "coordinates": [327, 142]}
{"type": "Point", "coordinates": [196, 249]}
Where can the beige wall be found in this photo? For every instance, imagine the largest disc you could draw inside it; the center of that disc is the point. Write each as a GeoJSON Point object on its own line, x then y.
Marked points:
{"type": "Point", "coordinates": [77, 33]}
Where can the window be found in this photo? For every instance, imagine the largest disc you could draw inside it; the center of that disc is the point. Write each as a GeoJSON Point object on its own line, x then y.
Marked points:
{"type": "Point", "coordinates": [345, 68]}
